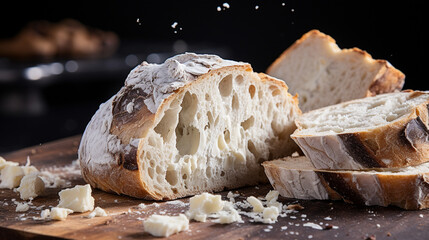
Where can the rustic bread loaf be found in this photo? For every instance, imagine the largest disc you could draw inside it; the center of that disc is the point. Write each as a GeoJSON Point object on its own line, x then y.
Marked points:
{"type": "Point", "coordinates": [193, 124]}
{"type": "Point", "coordinates": [407, 188]}
{"type": "Point", "coordinates": [384, 131]}
{"type": "Point", "coordinates": [323, 74]}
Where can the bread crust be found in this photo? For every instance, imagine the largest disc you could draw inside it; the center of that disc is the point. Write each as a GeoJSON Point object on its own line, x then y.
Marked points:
{"type": "Point", "coordinates": [401, 143]}
{"type": "Point", "coordinates": [122, 174]}
{"type": "Point", "coordinates": [407, 191]}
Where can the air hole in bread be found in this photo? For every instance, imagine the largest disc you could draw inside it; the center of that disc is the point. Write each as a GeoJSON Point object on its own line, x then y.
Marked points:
{"type": "Point", "coordinates": [207, 97]}
{"type": "Point", "coordinates": [221, 144]}
{"type": "Point", "coordinates": [261, 94]}
{"type": "Point", "coordinates": [252, 91]}
{"type": "Point", "coordinates": [239, 79]}
{"type": "Point", "coordinates": [171, 177]}
{"type": "Point", "coordinates": [252, 148]}
{"type": "Point", "coordinates": [209, 172]}
{"type": "Point", "coordinates": [248, 123]}
{"type": "Point", "coordinates": [150, 172]}
{"type": "Point", "coordinates": [235, 103]}
{"type": "Point", "coordinates": [274, 91]}
{"type": "Point", "coordinates": [159, 170]}
{"type": "Point", "coordinates": [222, 173]}
{"type": "Point", "coordinates": [187, 140]}
{"type": "Point", "coordinates": [239, 158]}
{"type": "Point", "coordinates": [189, 108]}
{"type": "Point", "coordinates": [165, 127]}
{"type": "Point", "coordinates": [210, 119]}
{"type": "Point", "coordinates": [151, 162]}
{"type": "Point", "coordinates": [160, 179]}
{"type": "Point", "coordinates": [185, 176]}
{"type": "Point", "coordinates": [225, 86]}
{"type": "Point", "coordinates": [187, 137]}
{"type": "Point", "coordinates": [227, 136]}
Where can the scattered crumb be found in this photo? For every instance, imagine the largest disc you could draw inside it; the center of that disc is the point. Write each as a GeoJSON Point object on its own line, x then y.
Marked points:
{"type": "Point", "coordinates": [329, 226]}
{"type": "Point", "coordinates": [389, 234]}
{"type": "Point", "coordinates": [372, 237]}
{"type": "Point", "coordinates": [327, 218]}
{"type": "Point", "coordinates": [421, 215]}
{"type": "Point", "coordinates": [378, 225]}
{"type": "Point", "coordinates": [22, 207]}
{"type": "Point", "coordinates": [295, 207]}
{"type": "Point", "coordinates": [313, 225]}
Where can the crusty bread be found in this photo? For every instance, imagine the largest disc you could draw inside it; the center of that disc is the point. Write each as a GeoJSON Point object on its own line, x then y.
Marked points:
{"type": "Point", "coordinates": [323, 74]}
{"type": "Point", "coordinates": [407, 188]}
{"type": "Point", "coordinates": [195, 123]}
{"type": "Point", "coordinates": [384, 131]}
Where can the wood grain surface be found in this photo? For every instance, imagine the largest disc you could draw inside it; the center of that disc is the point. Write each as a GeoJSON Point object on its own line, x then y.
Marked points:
{"type": "Point", "coordinates": [124, 221]}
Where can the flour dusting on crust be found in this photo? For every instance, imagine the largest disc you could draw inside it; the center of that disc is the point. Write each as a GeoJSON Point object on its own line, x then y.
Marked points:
{"type": "Point", "coordinates": [159, 81]}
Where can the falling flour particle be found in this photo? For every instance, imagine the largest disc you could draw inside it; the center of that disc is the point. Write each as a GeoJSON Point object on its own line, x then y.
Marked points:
{"type": "Point", "coordinates": [225, 5]}
{"type": "Point", "coordinates": [219, 9]}
{"type": "Point", "coordinates": [174, 25]}
{"type": "Point", "coordinates": [256, 7]}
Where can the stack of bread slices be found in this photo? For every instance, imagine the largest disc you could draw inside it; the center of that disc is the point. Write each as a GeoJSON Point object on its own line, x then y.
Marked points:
{"type": "Point", "coordinates": [199, 123]}
{"type": "Point", "coordinates": [373, 150]}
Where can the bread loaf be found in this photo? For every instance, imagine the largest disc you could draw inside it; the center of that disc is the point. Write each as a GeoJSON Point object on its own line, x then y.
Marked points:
{"type": "Point", "coordinates": [195, 123]}
{"type": "Point", "coordinates": [406, 188]}
{"type": "Point", "coordinates": [323, 74]}
{"type": "Point", "coordinates": [384, 131]}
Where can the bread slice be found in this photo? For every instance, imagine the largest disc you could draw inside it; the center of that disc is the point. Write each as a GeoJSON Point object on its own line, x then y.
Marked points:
{"type": "Point", "coordinates": [385, 131]}
{"type": "Point", "coordinates": [406, 188]}
{"type": "Point", "coordinates": [196, 123]}
{"type": "Point", "coordinates": [323, 74]}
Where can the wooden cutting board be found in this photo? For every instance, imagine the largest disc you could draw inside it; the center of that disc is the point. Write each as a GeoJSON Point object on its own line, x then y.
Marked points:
{"type": "Point", "coordinates": [124, 221]}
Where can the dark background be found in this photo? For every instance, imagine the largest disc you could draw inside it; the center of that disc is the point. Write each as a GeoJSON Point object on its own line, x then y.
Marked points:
{"type": "Point", "coordinates": [34, 112]}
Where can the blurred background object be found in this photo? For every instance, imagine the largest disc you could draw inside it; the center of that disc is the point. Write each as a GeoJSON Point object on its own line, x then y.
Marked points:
{"type": "Point", "coordinates": [66, 39]}
{"type": "Point", "coordinates": [59, 61]}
